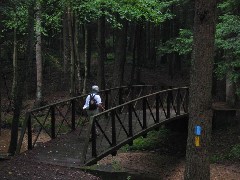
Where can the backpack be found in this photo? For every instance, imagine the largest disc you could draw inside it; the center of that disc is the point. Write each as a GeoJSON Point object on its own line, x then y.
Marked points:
{"type": "Point", "coordinates": [92, 103]}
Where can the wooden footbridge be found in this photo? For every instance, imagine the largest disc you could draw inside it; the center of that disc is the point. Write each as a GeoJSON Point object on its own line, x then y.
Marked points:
{"type": "Point", "coordinates": [74, 140]}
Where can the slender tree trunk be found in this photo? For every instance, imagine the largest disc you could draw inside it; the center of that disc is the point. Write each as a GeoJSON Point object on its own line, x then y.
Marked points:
{"type": "Point", "coordinates": [101, 52]}
{"type": "Point", "coordinates": [134, 56]}
{"type": "Point", "coordinates": [88, 40]}
{"type": "Point", "coordinates": [1, 80]}
{"type": "Point", "coordinates": [15, 121]}
{"type": "Point", "coordinates": [77, 56]}
{"type": "Point", "coordinates": [200, 111]}
{"type": "Point", "coordinates": [39, 97]}
{"type": "Point", "coordinates": [71, 38]}
{"type": "Point", "coordinates": [14, 59]}
{"type": "Point", "coordinates": [120, 53]}
{"type": "Point", "coordinates": [19, 73]}
{"type": "Point", "coordinates": [230, 90]}
{"type": "Point", "coordinates": [140, 52]}
{"type": "Point", "coordinates": [66, 45]}
{"type": "Point", "coordinates": [87, 57]}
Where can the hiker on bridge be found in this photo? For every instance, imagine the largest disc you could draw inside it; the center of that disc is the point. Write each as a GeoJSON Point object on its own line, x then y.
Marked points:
{"type": "Point", "coordinates": [93, 102]}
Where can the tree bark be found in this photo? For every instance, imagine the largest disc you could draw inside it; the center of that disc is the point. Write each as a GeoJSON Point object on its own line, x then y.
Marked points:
{"type": "Point", "coordinates": [20, 75]}
{"type": "Point", "coordinates": [200, 102]}
{"type": "Point", "coordinates": [140, 52]}
{"type": "Point", "coordinates": [88, 45]}
{"type": "Point", "coordinates": [0, 90]}
{"type": "Point", "coordinates": [77, 57]}
{"type": "Point", "coordinates": [230, 90]}
{"type": "Point", "coordinates": [120, 53]}
{"type": "Point", "coordinates": [39, 97]}
{"type": "Point", "coordinates": [101, 52]}
{"type": "Point", "coordinates": [71, 39]}
{"type": "Point", "coordinates": [134, 55]}
{"type": "Point", "coordinates": [66, 45]}
{"type": "Point", "coordinates": [87, 57]}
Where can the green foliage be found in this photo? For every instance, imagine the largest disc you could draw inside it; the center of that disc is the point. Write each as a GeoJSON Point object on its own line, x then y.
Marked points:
{"type": "Point", "coordinates": [15, 16]}
{"type": "Point", "coordinates": [235, 152]}
{"type": "Point", "coordinates": [116, 166]}
{"type": "Point", "coordinates": [216, 158]}
{"type": "Point", "coordinates": [228, 42]}
{"type": "Point", "coordinates": [181, 44]}
{"type": "Point", "coordinates": [148, 143]}
{"type": "Point", "coordinates": [132, 10]}
{"type": "Point", "coordinates": [228, 5]}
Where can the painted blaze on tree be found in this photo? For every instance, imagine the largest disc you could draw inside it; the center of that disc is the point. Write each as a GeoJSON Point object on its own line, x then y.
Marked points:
{"type": "Point", "coordinates": [200, 112]}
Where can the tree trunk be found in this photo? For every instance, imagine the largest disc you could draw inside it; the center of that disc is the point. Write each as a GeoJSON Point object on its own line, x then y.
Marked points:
{"type": "Point", "coordinates": [88, 40]}
{"type": "Point", "coordinates": [101, 52]}
{"type": "Point", "coordinates": [200, 102]}
{"type": "Point", "coordinates": [20, 75]}
{"type": "Point", "coordinates": [71, 39]}
{"type": "Point", "coordinates": [120, 53]}
{"type": "Point", "coordinates": [140, 52]}
{"type": "Point", "coordinates": [66, 45]}
{"type": "Point", "coordinates": [134, 55]}
{"type": "Point", "coordinates": [77, 57]}
{"type": "Point", "coordinates": [87, 57]}
{"type": "Point", "coordinates": [230, 90]}
{"type": "Point", "coordinates": [39, 97]}
{"type": "Point", "coordinates": [0, 91]}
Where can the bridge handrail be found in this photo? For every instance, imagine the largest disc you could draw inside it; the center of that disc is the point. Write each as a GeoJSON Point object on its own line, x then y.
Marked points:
{"type": "Point", "coordinates": [137, 99]}
{"type": "Point", "coordinates": [113, 110]}
{"type": "Point", "coordinates": [51, 110]}
{"type": "Point", "coordinates": [85, 95]}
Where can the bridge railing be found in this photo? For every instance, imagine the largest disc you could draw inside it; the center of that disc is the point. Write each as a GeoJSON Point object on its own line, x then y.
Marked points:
{"type": "Point", "coordinates": [119, 125]}
{"type": "Point", "coordinates": [48, 122]}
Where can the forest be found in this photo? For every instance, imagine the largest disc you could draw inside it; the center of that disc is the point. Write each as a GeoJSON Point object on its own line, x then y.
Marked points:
{"type": "Point", "coordinates": [53, 50]}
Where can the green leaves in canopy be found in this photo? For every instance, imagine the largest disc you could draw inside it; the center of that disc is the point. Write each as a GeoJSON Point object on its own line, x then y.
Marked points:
{"type": "Point", "coordinates": [228, 41]}
{"type": "Point", "coordinates": [133, 10]}
{"type": "Point", "coordinates": [181, 44]}
{"type": "Point", "coordinates": [228, 34]}
{"type": "Point", "coordinates": [16, 14]}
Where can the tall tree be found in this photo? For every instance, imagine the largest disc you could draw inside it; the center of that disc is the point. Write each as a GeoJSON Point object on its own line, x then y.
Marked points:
{"type": "Point", "coordinates": [66, 45]}
{"type": "Point", "coordinates": [39, 64]}
{"type": "Point", "coordinates": [20, 64]}
{"type": "Point", "coordinates": [120, 53]}
{"type": "Point", "coordinates": [72, 54]}
{"type": "Point", "coordinates": [87, 53]}
{"type": "Point", "coordinates": [101, 52]}
{"type": "Point", "coordinates": [200, 112]}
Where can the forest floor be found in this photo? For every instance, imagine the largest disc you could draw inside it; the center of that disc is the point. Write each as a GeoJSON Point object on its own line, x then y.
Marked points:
{"type": "Point", "coordinates": [165, 162]}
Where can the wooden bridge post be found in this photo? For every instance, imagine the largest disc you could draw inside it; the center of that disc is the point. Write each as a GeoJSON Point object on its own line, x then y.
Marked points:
{"type": "Point", "coordinates": [29, 132]}
{"type": "Point", "coordinates": [157, 108]}
{"type": "Point", "coordinates": [106, 100]}
{"type": "Point", "coordinates": [114, 138]}
{"type": "Point", "coordinates": [130, 134]}
{"type": "Point", "coordinates": [178, 102]}
{"type": "Point", "coordinates": [73, 114]}
{"type": "Point", "coordinates": [187, 99]}
{"type": "Point", "coordinates": [53, 134]}
{"type": "Point", "coordinates": [169, 96]}
{"type": "Point", "coordinates": [144, 115]}
{"type": "Point", "coordinates": [120, 100]}
{"type": "Point", "coordinates": [94, 136]}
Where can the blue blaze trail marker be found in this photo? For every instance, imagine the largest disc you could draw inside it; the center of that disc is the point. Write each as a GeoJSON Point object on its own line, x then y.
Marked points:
{"type": "Point", "coordinates": [198, 131]}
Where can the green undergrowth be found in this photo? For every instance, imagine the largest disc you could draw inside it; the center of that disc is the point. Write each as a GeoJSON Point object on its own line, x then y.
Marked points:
{"type": "Point", "coordinates": [150, 142]}
{"type": "Point", "coordinates": [225, 145]}
{"type": "Point", "coordinates": [233, 155]}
